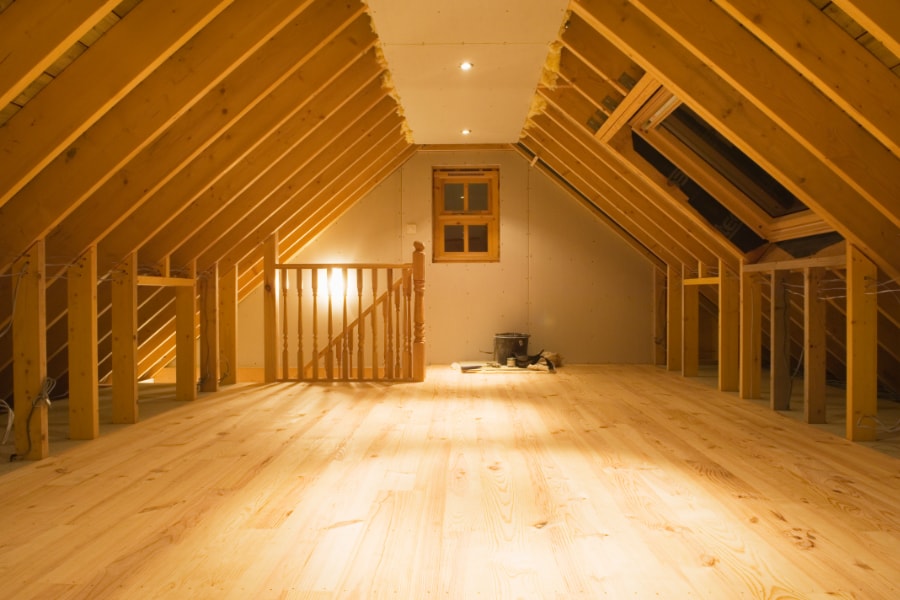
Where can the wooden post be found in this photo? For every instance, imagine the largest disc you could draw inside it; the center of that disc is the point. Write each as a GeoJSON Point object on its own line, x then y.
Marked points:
{"type": "Point", "coordinates": [779, 344]}
{"type": "Point", "coordinates": [751, 337]}
{"type": "Point", "coordinates": [209, 329]}
{"type": "Point", "coordinates": [659, 317]}
{"type": "Point", "coordinates": [729, 329]}
{"type": "Point", "coordinates": [270, 309]}
{"type": "Point", "coordinates": [228, 320]}
{"type": "Point", "coordinates": [419, 312]}
{"type": "Point", "coordinates": [673, 318]}
{"type": "Point", "coordinates": [84, 403]}
{"type": "Point", "coordinates": [185, 338]}
{"type": "Point", "coordinates": [124, 341]}
{"type": "Point", "coordinates": [690, 332]}
{"type": "Point", "coordinates": [29, 331]}
{"type": "Point", "coordinates": [862, 347]}
{"type": "Point", "coordinates": [813, 346]}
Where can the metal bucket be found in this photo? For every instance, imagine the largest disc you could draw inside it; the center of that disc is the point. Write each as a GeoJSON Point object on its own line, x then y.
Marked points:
{"type": "Point", "coordinates": [509, 344]}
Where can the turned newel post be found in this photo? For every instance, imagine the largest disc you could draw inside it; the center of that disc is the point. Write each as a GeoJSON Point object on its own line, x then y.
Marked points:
{"type": "Point", "coordinates": [419, 312]}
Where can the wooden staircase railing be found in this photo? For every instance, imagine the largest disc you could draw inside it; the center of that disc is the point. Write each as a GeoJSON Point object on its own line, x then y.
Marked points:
{"type": "Point", "coordinates": [349, 322]}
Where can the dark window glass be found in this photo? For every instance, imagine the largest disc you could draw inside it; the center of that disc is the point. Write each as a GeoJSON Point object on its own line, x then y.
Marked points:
{"type": "Point", "coordinates": [454, 197]}
{"type": "Point", "coordinates": [478, 197]}
{"type": "Point", "coordinates": [453, 238]}
{"type": "Point", "coordinates": [478, 238]}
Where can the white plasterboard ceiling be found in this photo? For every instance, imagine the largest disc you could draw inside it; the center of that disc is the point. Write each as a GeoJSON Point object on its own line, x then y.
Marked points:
{"type": "Point", "coordinates": [507, 41]}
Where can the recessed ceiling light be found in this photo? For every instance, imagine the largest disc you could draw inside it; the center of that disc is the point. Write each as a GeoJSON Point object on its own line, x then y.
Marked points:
{"type": "Point", "coordinates": [465, 65]}
{"type": "Point", "coordinates": [466, 131]}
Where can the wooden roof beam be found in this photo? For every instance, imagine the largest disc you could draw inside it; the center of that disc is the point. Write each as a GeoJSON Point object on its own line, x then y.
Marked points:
{"type": "Point", "coordinates": [568, 187]}
{"type": "Point", "coordinates": [251, 103]}
{"type": "Point", "coordinates": [610, 194]}
{"type": "Point", "coordinates": [880, 18]}
{"type": "Point", "coordinates": [140, 117]}
{"type": "Point", "coordinates": [261, 219]}
{"type": "Point", "coordinates": [736, 117]}
{"type": "Point", "coordinates": [821, 51]}
{"type": "Point", "coordinates": [117, 62]}
{"type": "Point", "coordinates": [340, 103]}
{"type": "Point", "coordinates": [367, 105]}
{"type": "Point", "coordinates": [819, 125]}
{"type": "Point", "coordinates": [35, 34]}
{"type": "Point", "coordinates": [330, 178]}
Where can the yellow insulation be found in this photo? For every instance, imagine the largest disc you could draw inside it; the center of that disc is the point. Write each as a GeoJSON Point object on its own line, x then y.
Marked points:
{"type": "Point", "coordinates": [387, 82]}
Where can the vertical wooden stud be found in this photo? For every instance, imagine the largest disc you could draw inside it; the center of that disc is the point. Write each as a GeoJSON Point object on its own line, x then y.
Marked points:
{"type": "Point", "coordinates": [185, 338]}
{"type": "Point", "coordinates": [750, 386]}
{"type": "Point", "coordinates": [862, 346]}
{"type": "Point", "coordinates": [779, 344]}
{"type": "Point", "coordinates": [418, 312]}
{"type": "Point", "coordinates": [29, 331]}
{"type": "Point", "coordinates": [690, 330]}
{"type": "Point", "coordinates": [659, 317]}
{"type": "Point", "coordinates": [813, 346]}
{"type": "Point", "coordinates": [209, 329]}
{"type": "Point", "coordinates": [124, 341]}
{"type": "Point", "coordinates": [228, 303]}
{"type": "Point", "coordinates": [285, 324]}
{"type": "Point", "coordinates": [270, 309]}
{"type": "Point", "coordinates": [673, 318]}
{"type": "Point", "coordinates": [84, 411]}
{"type": "Point", "coordinates": [729, 329]}
{"type": "Point", "coordinates": [361, 331]}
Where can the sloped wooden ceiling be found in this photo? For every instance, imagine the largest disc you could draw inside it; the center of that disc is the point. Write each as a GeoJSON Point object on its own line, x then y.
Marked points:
{"type": "Point", "coordinates": [189, 132]}
{"type": "Point", "coordinates": [186, 132]}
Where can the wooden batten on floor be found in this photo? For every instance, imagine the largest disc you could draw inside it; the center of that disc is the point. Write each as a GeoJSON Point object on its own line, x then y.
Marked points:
{"type": "Point", "coordinates": [84, 412]}
{"type": "Point", "coordinates": [185, 331]}
{"type": "Point", "coordinates": [779, 344]}
{"type": "Point", "coordinates": [29, 322]}
{"type": "Point", "coordinates": [814, 355]}
{"type": "Point", "coordinates": [862, 346]}
{"type": "Point", "coordinates": [209, 329]}
{"type": "Point", "coordinates": [673, 317]}
{"type": "Point", "coordinates": [228, 303]}
{"type": "Point", "coordinates": [124, 341]}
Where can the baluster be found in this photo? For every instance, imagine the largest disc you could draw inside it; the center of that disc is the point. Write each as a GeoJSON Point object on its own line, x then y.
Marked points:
{"type": "Point", "coordinates": [419, 312]}
{"type": "Point", "coordinates": [398, 330]}
{"type": "Point", "coordinates": [361, 331]}
{"type": "Point", "coordinates": [388, 328]}
{"type": "Point", "coordinates": [315, 322]}
{"type": "Point", "coordinates": [329, 356]}
{"type": "Point", "coordinates": [374, 324]}
{"type": "Point", "coordinates": [301, 371]}
{"type": "Point", "coordinates": [285, 362]}
{"type": "Point", "coordinates": [407, 326]}
{"type": "Point", "coordinates": [345, 357]}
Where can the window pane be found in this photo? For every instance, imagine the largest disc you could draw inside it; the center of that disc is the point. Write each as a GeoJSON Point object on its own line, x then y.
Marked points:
{"type": "Point", "coordinates": [453, 238]}
{"type": "Point", "coordinates": [453, 197]}
{"type": "Point", "coordinates": [478, 197]}
{"type": "Point", "coordinates": [478, 235]}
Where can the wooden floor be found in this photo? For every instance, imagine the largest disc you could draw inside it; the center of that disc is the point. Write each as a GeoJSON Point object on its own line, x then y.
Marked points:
{"type": "Point", "coordinates": [596, 482]}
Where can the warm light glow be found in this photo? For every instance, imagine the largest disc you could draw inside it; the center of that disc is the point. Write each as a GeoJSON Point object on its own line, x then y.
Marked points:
{"type": "Point", "coordinates": [465, 65]}
{"type": "Point", "coordinates": [337, 283]}
{"type": "Point", "coordinates": [466, 131]}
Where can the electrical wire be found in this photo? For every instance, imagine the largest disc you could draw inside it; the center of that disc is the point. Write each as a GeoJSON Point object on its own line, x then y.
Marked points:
{"type": "Point", "coordinates": [9, 421]}
{"type": "Point", "coordinates": [43, 396]}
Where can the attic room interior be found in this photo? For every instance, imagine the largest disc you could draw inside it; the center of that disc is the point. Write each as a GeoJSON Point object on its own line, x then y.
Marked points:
{"type": "Point", "coordinates": [243, 243]}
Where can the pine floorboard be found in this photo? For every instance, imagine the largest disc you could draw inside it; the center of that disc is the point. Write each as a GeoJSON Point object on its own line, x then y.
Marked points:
{"type": "Point", "coordinates": [604, 481]}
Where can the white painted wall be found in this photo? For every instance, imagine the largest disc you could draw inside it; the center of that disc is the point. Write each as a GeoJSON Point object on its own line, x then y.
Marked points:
{"type": "Point", "coordinates": [563, 277]}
